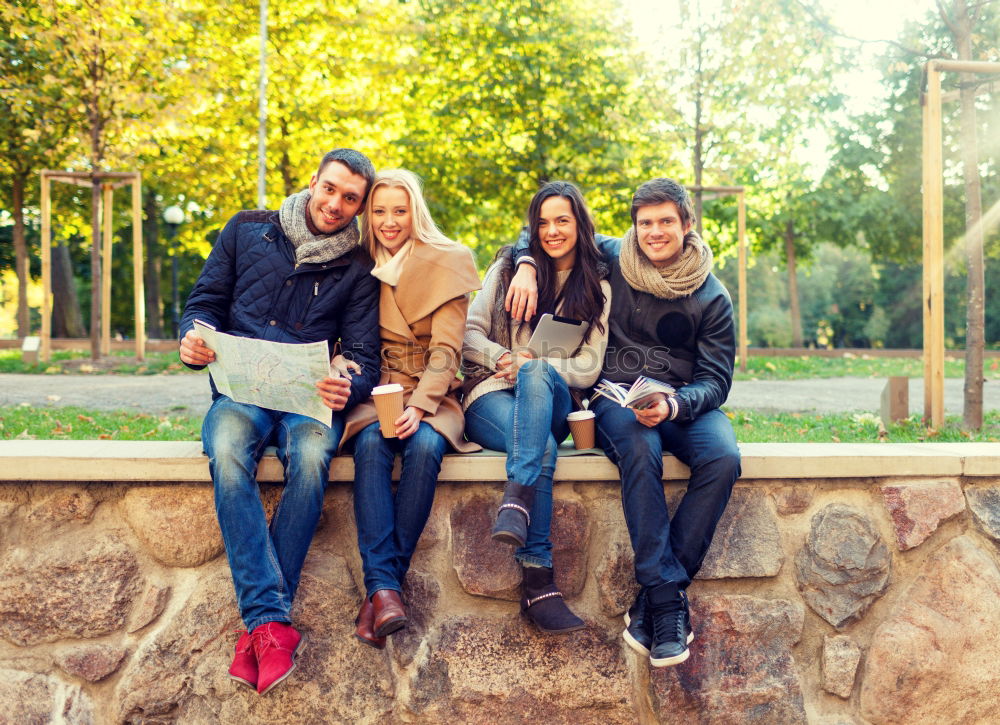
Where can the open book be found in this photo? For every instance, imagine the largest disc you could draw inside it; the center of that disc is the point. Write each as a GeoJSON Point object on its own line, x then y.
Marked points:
{"type": "Point", "coordinates": [631, 396]}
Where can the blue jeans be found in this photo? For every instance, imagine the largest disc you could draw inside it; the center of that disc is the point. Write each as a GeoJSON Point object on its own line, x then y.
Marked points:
{"type": "Point", "coordinates": [389, 526]}
{"type": "Point", "coordinates": [266, 561]}
{"type": "Point", "coordinates": [528, 423]}
{"type": "Point", "coordinates": [665, 550]}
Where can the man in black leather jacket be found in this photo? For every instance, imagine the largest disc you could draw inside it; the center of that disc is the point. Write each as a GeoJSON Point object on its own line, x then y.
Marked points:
{"type": "Point", "coordinates": [671, 320]}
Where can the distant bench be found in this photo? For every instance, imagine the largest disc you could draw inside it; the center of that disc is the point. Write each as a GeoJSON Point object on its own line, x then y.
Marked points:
{"type": "Point", "coordinates": [183, 461]}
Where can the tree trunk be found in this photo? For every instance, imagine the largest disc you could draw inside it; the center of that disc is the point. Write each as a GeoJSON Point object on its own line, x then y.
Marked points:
{"type": "Point", "coordinates": [972, 417]}
{"type": "Point", "coordinates": [67, 321]}
{"type": "Point", "coordinates": [151, 239]}
{"type": "Point", "coordinates": [95, 268]}
{"type": "Point", "coordinates": [699, 140]}
{"type": "Point", "coordinates": [793, 284]}
{"type": "Point", "coordinates": [288, 177]}
{"type": "Point", "coordinates": [21, 257]}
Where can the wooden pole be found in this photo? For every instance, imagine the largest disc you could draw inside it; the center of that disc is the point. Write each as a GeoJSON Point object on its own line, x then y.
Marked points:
{"type": "Point", "coordinates": [964, 66]}
{"type": "Point", "coordinates": [926, 296]}
{"type": "Point", "coordinates": [262, 112]}
{"type": "Point", "coordinates": [106, 246]}
{"type": "Point", "coordinates": [46, 346]}
{"type": "Point", "coordinates": [934, 199]}
{"type": "Point", "coordinates": [139, 296]}
{"type": "Point", "coordinates": [741, 227]}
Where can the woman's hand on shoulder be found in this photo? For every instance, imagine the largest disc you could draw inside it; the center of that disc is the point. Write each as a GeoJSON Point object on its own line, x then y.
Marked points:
{"type": "Point", "coordinates": [344, 366]}
{"type": "Point", "coordinates": [408, 423]}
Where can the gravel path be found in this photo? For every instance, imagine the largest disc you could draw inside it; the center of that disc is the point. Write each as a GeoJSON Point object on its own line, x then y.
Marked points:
{"type": "Point", "coordinates": [159, 394]}
{"type": "Point", "coordinates": [190, 394]}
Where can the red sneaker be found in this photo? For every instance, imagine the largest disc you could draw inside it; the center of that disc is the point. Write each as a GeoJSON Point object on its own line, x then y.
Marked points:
{"type": "Point", "coordinates": [275, 645]}
{"type": "Point", "coordinates": [244, 667]}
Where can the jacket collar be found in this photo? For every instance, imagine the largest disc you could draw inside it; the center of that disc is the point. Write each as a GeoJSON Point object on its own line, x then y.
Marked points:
{"type": "Point", "coordinates": [432, 276]}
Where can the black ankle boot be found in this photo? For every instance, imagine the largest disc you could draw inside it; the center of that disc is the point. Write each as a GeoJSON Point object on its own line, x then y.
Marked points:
{"type": "Point", "coordinates": [543, 603]}
{"type": "Point", "coordinates": [514, 515]}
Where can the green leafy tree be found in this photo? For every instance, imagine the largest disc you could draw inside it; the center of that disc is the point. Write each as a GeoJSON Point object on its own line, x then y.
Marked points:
{"type": "Point", "coordinates": [112, 63]}
{"type": "Point", "coordinates": [33, 129]}
{"type": "Point", "coordinates": [878, 161]}
{"type": "Point", "coordinates": [511, 94]}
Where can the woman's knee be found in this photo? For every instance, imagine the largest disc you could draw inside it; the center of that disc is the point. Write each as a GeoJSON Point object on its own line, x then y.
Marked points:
{"type": "Point", "coordinates": [370, 441]}
{"type": "Point", "coordinates": [534, 370]}
{"type": "Point", "coordinates": [426, 444]}
{"type": "Point", "coordinates": [551, 451]}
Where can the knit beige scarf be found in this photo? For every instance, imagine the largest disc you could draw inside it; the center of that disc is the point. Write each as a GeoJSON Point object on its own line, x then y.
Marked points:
{"type": "Point", "coordinates": [680, 279]}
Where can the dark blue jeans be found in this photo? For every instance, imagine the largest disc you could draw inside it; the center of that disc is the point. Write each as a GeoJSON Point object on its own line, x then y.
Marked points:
{"type": "Point", "coordinates": [266, 561]}
{"type": "Point", "coordinates": [389, 526]}
{"type": "Point", "coordinates": [670, 550]}
{"type": "Point", "coordinates": [528, 423]}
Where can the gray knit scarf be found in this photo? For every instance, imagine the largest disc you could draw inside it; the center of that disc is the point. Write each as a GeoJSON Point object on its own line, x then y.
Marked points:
{"type": "Point", "coordinates": [309, 247]}
{"type": "Point", "coordinates": [680, 279]}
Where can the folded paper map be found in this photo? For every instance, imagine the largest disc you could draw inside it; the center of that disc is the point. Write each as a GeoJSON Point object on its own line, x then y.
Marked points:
{"type": "Point", "coordinates": [276, 375]}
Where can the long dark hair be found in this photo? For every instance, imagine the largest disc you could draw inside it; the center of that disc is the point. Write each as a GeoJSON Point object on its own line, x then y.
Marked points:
{"type": "Point", "coordinates": [581, 297]}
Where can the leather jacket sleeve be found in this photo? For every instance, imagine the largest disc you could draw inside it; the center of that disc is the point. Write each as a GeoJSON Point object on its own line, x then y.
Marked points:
{"type": "Point", "coordinates": [715, 359]}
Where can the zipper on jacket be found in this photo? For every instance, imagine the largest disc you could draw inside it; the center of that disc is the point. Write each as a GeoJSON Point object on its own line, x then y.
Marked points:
{"type": "Point", "coordinates": [315, 289]}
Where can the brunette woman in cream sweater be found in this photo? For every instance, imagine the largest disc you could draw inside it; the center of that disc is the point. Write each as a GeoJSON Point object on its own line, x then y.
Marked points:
{"type": "Point", "coordinates": [517, 403]}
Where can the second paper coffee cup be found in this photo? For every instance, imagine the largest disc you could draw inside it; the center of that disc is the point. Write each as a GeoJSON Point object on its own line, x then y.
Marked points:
{"type": "Point", "coordinates": [581, 425]}
{"type": "Point", "coordinates": [388, 401]}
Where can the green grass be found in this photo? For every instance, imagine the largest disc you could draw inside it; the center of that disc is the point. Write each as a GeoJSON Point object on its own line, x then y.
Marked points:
{"type": "Point", "coordinates": [74, 423]}
{"type": "Point", "coordinates": [758, 368]}
{"type": "Point", "coordinates": [76, 361]}
{"type": "Point", "coordinates": [752, 427]}
{"type": "Point", "coordinates": [850, 366]}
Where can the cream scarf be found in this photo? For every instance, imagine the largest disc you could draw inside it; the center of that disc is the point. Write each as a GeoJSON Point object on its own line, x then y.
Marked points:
{"type": "Point", "coordinates": [389, 267]}
{"type": "Point", "coordinates": [680, 279]}
{"type": "Point", "coordinates": [309, 247]}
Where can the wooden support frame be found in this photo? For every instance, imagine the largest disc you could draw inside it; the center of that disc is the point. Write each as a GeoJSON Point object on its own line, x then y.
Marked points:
{"type": "Point", "coordinates": [741, 232]}
{"type": "Point", "coordinates": [933, 228]}
{"type": "Point", "coordinates": [109, 181]}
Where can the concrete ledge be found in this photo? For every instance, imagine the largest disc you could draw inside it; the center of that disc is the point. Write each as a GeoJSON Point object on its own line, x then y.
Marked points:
{"type": "Point", "coordinates": [183, 461]}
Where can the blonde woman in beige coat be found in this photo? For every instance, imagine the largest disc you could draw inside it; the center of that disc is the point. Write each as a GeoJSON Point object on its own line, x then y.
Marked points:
{"type": "Point", "coordinates": [426, 280]}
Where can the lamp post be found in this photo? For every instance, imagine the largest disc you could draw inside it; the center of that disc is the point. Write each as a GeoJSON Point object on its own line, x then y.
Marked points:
{"type": "Point", "coordinates": [174, 217]}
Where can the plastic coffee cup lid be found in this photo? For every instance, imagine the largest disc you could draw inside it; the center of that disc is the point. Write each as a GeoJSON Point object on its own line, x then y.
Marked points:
{"type": "Point", "coordinates": [580, 415]}
{"type": "Point", "coordinates": [390, 388]}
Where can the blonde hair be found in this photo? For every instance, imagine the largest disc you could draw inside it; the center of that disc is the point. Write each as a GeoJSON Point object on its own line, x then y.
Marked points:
{"type": "Point", "coordinates": [423, 227]}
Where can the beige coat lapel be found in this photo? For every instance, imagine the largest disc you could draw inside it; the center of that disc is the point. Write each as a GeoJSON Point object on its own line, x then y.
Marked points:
{"type": "Point", "coordinates": [390, 317]}
{"type": "Point", "coordinates": [433, 276]}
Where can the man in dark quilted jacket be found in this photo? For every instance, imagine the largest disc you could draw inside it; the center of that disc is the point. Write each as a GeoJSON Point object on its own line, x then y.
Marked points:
{"type": "Point", "coordinates": [293, 275]}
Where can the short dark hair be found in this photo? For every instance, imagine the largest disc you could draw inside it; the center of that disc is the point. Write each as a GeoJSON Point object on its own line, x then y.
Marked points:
{"type": "Point", "coordinates": [356, 161]}
{"type": "Point", "coordinates": [660, 190]}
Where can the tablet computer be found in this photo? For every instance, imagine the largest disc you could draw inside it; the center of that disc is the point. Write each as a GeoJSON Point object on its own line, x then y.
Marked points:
{"type": "Point", "coordinates": [556, 336]}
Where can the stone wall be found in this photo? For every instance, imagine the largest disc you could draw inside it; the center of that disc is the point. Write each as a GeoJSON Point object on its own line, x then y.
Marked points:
{"type": "Point", "coordinates": [828, 601]}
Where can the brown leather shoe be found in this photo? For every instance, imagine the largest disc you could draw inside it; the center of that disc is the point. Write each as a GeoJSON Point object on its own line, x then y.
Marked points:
{"type": "Point", "coordinates": [365, 622]}
{"type": "Point", "coordinates": [388, 614]}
